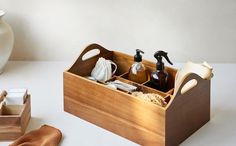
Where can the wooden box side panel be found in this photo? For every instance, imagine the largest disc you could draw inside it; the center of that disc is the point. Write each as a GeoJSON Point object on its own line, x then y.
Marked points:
{"type": "Point", "coordinates": [26, 115]}
{"type": "Point", "coordinates": [11, 133]}
{"type": "Point", "coordinates": [13, 120]}
{"type": "Point", "coordinates": [121, 105]}
{"type": "Point", "coordinates": [187, 113]}
{"type": "Point", "coordinates": [112, 123]}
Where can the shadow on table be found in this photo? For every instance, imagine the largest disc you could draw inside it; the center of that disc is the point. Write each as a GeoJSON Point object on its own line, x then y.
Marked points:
{"type": "Point", "coordinates": [219, 131]}
{"type": "Point", "coordinates": [35, 123]}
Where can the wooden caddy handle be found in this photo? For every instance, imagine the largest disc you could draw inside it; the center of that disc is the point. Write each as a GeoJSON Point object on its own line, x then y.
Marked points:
{"type": "Point", "coordinates": [3, 95]}
{"type": "Point", "coordinates": [81, 64]}
{"type": "Point", "coordinates": [186, 79]}
{"type": "Point", "coordinates": [93, 47]}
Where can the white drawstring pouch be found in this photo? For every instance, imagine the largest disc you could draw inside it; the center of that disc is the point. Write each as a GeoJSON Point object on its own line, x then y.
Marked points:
{"type": "Point", "coordinates": [103, 69]}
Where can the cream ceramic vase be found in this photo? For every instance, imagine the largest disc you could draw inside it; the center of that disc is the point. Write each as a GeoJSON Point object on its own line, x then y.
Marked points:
{"type": "Point", "coordinates": [6, 42]}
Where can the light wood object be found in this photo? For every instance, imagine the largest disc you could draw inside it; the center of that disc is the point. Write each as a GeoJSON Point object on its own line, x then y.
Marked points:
{"type": "Point", "coordinates": [14, 120]}
{"type": "Point", "coordinates": [142, 122]}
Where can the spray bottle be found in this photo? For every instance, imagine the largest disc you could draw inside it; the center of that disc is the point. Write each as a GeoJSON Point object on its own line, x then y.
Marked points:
{"type": "Point", "coordinates": [159, 78]}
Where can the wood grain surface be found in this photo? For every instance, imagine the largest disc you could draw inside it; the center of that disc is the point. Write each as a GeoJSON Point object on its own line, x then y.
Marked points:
{"type": "Point", "coordinates": [14, 120]}
{"type": "Point", "coordinates": [135, 119]}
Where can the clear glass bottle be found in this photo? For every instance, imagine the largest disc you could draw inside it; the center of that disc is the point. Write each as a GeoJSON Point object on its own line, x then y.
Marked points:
{"type": "Point", "coordinates": [137, 71]}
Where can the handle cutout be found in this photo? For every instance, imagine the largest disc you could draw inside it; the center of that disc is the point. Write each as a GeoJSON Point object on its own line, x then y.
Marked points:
{"type": "Point", "coordinates": [115, 67]}
{"type": "Point", "coordinates": [90, 54]}
{"type": "Point", "coordinates": [189, 85]}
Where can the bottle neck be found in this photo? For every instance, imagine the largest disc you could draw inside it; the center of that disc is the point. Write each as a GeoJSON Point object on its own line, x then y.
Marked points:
{"type": "Point", "coordinates": [138, 63]}
{"type": "Point", "coordinates": [160, 66]}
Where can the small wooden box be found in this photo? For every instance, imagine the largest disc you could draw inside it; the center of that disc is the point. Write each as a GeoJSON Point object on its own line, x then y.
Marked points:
{"type": "Point", "coordinates": [135, 119]}
{"type": "Point", "coordinates": [14, 120]}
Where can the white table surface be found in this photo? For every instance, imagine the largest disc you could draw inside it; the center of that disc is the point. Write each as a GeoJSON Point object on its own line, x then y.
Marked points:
{"type": "Point", "coordinates": [44, 81]}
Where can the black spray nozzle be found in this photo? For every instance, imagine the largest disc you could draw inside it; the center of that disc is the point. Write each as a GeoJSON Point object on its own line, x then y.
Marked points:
{"type": "Point", "coordinates": [138, 56]}
{"type": "Point", "coordinates": [158, 55]}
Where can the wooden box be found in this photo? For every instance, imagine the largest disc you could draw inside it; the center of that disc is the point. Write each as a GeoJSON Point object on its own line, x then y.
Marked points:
{"type": "Point", "coordinates": [14, 120]}
{"type": "Point", "coordinates": [135, 119]}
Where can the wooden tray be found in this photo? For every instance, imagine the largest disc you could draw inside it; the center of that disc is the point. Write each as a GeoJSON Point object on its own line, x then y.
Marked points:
{"type": "Point", "coordinates": [14, 120]}
{"type": "Point", "coordinates": [135, 119]}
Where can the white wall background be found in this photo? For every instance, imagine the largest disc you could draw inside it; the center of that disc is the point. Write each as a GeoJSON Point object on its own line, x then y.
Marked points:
{"type": "Point", "coordinates": [194, 30]}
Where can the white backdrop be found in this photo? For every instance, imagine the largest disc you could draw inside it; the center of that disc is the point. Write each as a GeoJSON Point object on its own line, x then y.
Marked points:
{"type": "Point", "coordinates": [194, 30]}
